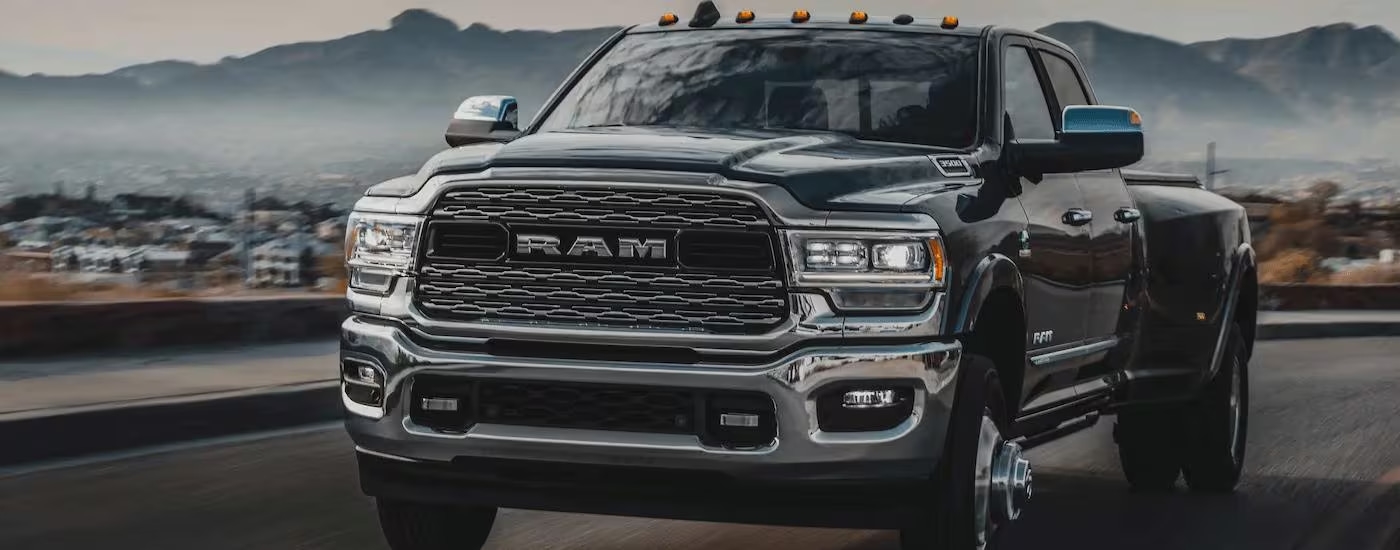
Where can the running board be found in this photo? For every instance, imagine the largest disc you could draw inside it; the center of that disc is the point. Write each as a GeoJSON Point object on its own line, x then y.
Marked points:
{"type": "Point", "coordinates": [1072, 426]}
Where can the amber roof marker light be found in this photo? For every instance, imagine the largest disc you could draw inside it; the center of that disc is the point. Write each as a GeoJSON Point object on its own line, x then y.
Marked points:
{"type": "Point", "coordinates": [668, 19]}
{"type": "Point", "coordinates": [859, 17]}
{"type": "Point", "coordinates": [950, 22]}
{"type": "Point", "coordinates": [745, 16]}
{"type": "Point", "coordinates": [801, 16]}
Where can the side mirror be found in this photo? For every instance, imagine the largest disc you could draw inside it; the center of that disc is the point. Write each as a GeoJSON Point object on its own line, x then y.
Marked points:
{"type": "Point", "coordinates": [484, 118]}
{"type": "Point", "coordinates": [1094, 137]}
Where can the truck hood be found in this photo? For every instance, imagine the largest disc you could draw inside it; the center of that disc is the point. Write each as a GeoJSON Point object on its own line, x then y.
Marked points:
{"type": "Point", "coordinates": [822, 170]}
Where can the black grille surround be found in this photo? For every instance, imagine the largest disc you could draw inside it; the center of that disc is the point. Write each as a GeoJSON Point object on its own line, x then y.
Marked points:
{"type": "Point", "coordinates": [722, 274]}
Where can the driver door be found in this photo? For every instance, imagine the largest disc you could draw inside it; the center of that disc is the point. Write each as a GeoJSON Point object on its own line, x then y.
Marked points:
{"type": "Point", "coordinates": [1054, 258]}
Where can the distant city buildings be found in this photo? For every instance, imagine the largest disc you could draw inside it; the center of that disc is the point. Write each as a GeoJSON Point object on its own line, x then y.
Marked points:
{"type": "Point", "coordinates": [287, 262]}
{"type": "Point", "coordinates": [149, 239]}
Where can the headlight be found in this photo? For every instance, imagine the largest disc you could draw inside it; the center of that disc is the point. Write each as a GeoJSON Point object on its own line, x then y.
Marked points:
{"type": "Point", "coordinates": [379, 247]}
{"type": "Point", "coordinates": [872, 270]}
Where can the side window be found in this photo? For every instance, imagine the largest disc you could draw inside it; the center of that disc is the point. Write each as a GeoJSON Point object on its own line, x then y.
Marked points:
{"type": "Point", "coordinates": [1069, 89]}
{"type": "Point", "coordinates": [1025, 99]}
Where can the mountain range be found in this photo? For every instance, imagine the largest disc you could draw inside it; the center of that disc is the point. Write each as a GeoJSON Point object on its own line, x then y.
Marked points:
{"type": "Point", "coordinates": [381, 94]}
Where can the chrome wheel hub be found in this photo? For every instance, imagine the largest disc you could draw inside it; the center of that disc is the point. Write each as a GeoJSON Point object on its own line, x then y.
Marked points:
{"type": "Point", "coordinates": [1002, 484]}
{"type": "Point", "coordinates": [1011, 482]}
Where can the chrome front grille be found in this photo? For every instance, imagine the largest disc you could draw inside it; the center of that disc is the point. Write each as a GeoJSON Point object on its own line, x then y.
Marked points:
{"type": "Point", "coordinates": [698, 289]}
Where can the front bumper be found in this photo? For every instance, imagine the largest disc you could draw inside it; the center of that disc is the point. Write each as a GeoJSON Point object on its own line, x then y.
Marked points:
{"type": "Point", "coordinates": [394, 450]}
{"type": "Point", "coordinates": [791, 382]}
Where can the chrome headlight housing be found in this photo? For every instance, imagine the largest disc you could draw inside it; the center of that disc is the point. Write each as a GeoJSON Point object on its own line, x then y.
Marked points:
{"type": "Point", "coordinates": [868, 270]}
{"type": "Point", "coordinates": [379, 247]}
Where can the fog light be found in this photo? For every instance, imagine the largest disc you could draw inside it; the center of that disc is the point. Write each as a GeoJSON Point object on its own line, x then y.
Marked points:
{"type": "Point", "coordinates": [439, 404]}
{"type": "Point", "coordinates": [363, 382]}
{"type": "Point", "coordinates": [869, 399]}
{"type": "Point", "coordinates": [368, 375]}
{"type": "Point", "coordinates": [858, 407]}
{"type": "Point", "coordinates": [739, 420]}
{"type": "Point", "coordinates": [442, 403]}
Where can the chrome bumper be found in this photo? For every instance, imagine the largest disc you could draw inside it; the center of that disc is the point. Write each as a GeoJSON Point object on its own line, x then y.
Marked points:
{"type": "Point", "coordinates": [791, 382]}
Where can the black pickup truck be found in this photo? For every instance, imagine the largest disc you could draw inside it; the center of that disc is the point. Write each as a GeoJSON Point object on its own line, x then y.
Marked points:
{"type": "Point", "coordinates": [799, 270]}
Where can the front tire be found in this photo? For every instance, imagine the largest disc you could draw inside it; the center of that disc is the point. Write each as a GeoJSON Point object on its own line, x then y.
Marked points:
{"type": "Point", "coordinates": [419, 526]}
{"type": "Point", "coordinates": [1218, 423]}
{"type": "Point", "coordinates": [969, 508]}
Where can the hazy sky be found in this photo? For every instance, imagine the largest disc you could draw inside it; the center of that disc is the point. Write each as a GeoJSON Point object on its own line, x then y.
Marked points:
{"type": "Point", "coordinates": [78, 36]}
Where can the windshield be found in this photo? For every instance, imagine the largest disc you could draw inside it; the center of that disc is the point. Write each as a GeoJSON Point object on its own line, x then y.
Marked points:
{"type": "Point", "coordinates": [904, 87]}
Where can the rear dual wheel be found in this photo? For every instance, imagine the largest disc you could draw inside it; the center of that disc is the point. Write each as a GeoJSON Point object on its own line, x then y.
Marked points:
{"type": "Point", "coordinates": [1203, 439]}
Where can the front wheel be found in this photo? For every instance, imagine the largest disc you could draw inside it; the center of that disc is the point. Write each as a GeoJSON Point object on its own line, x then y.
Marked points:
{"type": "Point", "coordinates": [982, 482]}
{"type": "Point", "coordinates": [418, 526]}
{"type": "Point", "coordinates": [1217, 425]}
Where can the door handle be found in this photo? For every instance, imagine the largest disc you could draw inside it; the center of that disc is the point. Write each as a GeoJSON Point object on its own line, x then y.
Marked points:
{"type": "Point", "coordinates": [1077, 217]}
{"type": "Point", "coordinates": [1127, 215]}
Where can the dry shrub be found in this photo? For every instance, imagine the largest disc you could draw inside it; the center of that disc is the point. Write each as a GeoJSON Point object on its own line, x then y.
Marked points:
{"type": "Point", "coordinates": [1295, 265]}
{"type": "Point", "coordinates": [1294, 226]}
{"type": "Point", "coordinates": [21, 287]}
{"type": "Point", "coordinates": [1301, 225]}
{"type": "Point", "coordinates": [1369, 275]}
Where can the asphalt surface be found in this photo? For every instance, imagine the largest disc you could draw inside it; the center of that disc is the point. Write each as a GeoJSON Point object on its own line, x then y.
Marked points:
{"type": "Point", "coordinates": [1323, 473]}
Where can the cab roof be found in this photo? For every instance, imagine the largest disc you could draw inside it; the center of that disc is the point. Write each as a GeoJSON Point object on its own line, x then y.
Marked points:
{"type": "Point", "coordinates": [816, 21]}
{"type": "Point", "coordinates": [920, 24]}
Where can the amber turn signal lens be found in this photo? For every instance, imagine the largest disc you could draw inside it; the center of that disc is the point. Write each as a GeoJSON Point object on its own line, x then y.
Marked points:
{"type": "Point", "coordinates": [669, 19]}
{"type": "Point", "coordinates": [801, 16]}
{"type": "Point", "coordinates": [858, 17]}
{"type": "Point", "coordinates": [744, 17]}
{"type": "Point", "coordinates": [1135, 119]}
{"type": "Point", "coordinates": [937, 259]}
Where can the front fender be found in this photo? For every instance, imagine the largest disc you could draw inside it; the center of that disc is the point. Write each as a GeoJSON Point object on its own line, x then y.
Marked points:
{"type": "Point", "coordinates": [996, 271]}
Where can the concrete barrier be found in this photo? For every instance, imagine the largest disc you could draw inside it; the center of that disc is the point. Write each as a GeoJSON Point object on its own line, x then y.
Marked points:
{"type": "Point", "coordinates": [1304, 296]}
{"type": "Point", "coordinates": [49, 328]}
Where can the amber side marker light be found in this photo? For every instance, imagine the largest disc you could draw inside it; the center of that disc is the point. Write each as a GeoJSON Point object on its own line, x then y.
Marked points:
{"type": "Point", "coordinates": [745, 16]}
{"type": "Point", "coordinates": [801, 16]}
{"type": "Point", "coordinates": [669, 19]}
{"type": "Point", "coordinates": [950, 22]}
{"type": "Point", "coordinates": [1135, 119]}
{"type": "Point", "coordinates": [859, 17]}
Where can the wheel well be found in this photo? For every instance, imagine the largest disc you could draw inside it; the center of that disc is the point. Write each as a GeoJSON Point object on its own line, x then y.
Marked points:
{"type": "Point", "coordinates": [1247, 309]}
{"type": "Point", "coordinates": [1000, 335]}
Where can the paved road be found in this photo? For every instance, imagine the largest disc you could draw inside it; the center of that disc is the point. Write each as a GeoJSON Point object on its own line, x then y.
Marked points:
{"type": "Point", "coordinates": [1324, 452]}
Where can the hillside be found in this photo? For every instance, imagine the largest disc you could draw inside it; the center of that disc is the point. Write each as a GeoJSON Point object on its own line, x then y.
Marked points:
{"type": "Point", "coordinates": [1333, 67]}
{"type": "Point", "coordinates": [1165, 78]}
{"type": "Point", "coordinates": [373, 104]}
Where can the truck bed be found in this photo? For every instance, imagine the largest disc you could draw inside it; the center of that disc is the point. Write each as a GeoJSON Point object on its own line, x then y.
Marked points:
{"type": "Point", "coordinates": [1136, 177]}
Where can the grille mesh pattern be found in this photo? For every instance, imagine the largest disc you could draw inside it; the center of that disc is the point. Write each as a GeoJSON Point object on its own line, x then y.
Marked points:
{"type": "Point", "coordinates": [613, 207]}
{"type": "Point", "coordinates": [652, 410]}
{"type": "Point", "coordinates": [718, 300]}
